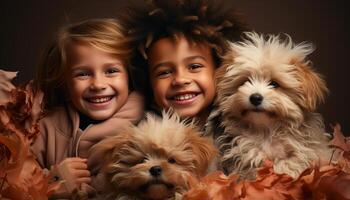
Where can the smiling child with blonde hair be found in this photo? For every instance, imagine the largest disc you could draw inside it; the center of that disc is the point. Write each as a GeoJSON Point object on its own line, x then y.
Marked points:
{"type": "Point", "coordinates": [88, 95]}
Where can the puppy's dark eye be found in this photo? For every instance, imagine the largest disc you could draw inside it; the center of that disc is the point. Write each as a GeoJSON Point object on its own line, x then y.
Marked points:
{"type": "Point", "coordinates": [123, 162]}
{"type": "Point", "coordinates": [274, 84]}
{"type": "Point", "coordinates": [171, 160]}
{"type": "Point", "coordinates": [244, 82]}
{"type": "Point", "coordinates": [142, 160]}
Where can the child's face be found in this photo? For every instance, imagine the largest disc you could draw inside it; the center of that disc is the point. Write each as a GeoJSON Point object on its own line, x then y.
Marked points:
{"type": "Point", "coordinates": [182, 76]}
{"type": "Point", "coordinates": [97, 82]}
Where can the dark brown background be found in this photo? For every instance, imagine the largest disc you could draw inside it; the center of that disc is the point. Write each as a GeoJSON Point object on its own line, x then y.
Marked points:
{"type": "Point", "coordinates": [26, 26]}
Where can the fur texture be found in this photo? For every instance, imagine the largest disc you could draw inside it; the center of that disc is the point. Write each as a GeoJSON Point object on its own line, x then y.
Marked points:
{"type": "Point", "coordinates": [156, 159]}
{"type": "Point", "coordinates": [267, 95]}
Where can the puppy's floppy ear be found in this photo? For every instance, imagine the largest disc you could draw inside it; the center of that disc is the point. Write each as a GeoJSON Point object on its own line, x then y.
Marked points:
{"type": "Point", "coordinates": [103, 151]}
{"type": "Point", "coordinates": [313, 88]}
{"type": "Point", "coordinates": [220, 72]}
{"type": "Point", "coordinates": [203, 150]}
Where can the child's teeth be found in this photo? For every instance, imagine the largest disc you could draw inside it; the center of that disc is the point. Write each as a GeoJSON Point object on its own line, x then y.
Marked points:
{"type": "Point", "coordinates": [184, 97]}
{"type": "Point", "coordinates": [100, 100]}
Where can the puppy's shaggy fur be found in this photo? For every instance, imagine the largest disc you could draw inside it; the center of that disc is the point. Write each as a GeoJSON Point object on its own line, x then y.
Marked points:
{"type": "Point", "coordinates": [156, 159]}
{"type": "Point", "coordinates": [267, 95]}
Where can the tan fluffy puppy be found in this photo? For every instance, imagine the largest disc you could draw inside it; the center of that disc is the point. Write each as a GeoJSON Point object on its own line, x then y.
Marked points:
{"type": "Point", "coordinates": [267, 95]}
{"type": "Point", "coordinates": [156, 159]}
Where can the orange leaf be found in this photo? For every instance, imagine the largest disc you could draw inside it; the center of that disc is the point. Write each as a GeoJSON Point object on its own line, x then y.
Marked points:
{"type": "Point", "coordinates": [8, 161]}
{"type": "Point", "coordinates": [6, 86]}
{"type": "Point", "coordinates": [327, 182]}
{"type": "Point", "coordinates": [339, 141]}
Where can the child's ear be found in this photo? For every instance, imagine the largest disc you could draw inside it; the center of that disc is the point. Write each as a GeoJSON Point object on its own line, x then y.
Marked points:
{"type": "Point", "coordinates": [313, 88]}
{"type": "Point", "coordinates": [203, 150]}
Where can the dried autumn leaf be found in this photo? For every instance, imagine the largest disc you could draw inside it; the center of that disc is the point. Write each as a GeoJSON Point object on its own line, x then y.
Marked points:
{"type": "Point", "coordinates": [9, 153]}
{"type": "Point", "coordinates": [315, 183]}
{"type": "Point", "coordinates": [31, 124]}
{"type": "Point", "coordinates": [21, 106]}
{"type": "Point", "coordinates": [37, 182]}
{"type": "Point", "coordinates": [215, 186]}
{"type": "Point", "coordinates": [37, 187]}
{"type": "Point", "coordinates": [4, 118]}
{"type": "Point", "coordinates": [24, 111]}
{"type": "Point", "coordinates": [14, 193]}
{"type": "Point", "coordinates": [6, 86]}
{"type": "Point", "coordinates": [24, 177]}
{"type": "Point", "coordinates": [327, 182]}
{"type": "Point", "coordinates": [269, 185]}
{"type": "Point", "coordinates": [17, 159]}
{"type": "Point", "coordinates": [20, 175]}
{"type": "Point", "coordinates": [336, 186]}
{"type": "Point", "coordinates": [342, 149]}
{"type": "Point", "coordinates": [339, 140]}
{"type": "Point", "coordinates": [344, 162]}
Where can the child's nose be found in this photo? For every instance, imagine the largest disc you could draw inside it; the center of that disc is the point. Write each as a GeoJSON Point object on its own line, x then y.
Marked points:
{"type": "Point", "coordinates": [97, 84]}
{"type": "Point", "coordinates": [181, 78]}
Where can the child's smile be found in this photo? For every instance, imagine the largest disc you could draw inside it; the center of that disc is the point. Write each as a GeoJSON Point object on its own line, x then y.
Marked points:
{"type": "Point", "coordinates": [184, 98]}
{"type": "Point", "coordinates": [100, 102]}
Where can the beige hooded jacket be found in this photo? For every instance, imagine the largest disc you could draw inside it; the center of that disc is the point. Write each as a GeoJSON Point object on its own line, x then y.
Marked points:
{"type": "Point", "coordinates": [60, 136]}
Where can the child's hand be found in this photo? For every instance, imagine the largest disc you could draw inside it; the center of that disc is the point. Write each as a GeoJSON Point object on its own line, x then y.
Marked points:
{"type": "Point", "coordinates": [73, 171]}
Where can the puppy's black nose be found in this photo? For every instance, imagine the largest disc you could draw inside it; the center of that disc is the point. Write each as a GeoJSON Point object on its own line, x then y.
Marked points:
{"type": "Point", "coordinates": [155, 170]}
{"type": "Point", "coordinates": [256, 99]}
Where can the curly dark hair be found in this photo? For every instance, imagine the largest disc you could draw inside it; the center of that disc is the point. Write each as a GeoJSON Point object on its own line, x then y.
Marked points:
{"type": "Point", "coordinates": [212, 22]}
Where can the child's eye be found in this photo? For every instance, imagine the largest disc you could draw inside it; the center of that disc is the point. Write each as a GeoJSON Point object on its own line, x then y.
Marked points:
{"type": "Point", "coordinates": [163, 74]}
{"type": "Point", "coordinates": [81, 74]}
{"type": "Point", "coordinates": [112, 71]}
{"type": "Point", "coordinates": [195, 66]}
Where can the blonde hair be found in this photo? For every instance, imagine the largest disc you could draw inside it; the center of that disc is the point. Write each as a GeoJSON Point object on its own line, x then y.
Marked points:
{"type": "Point", "coordinates": [106, 35]}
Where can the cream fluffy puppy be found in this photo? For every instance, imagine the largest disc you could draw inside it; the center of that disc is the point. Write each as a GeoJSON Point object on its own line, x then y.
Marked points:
{"type": "Point", "coordinates": [267, 93]}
